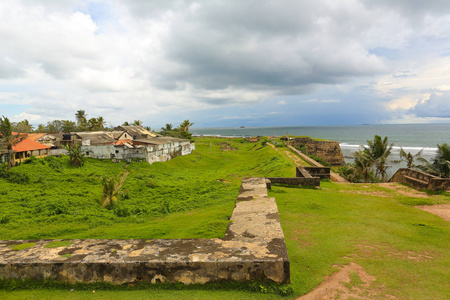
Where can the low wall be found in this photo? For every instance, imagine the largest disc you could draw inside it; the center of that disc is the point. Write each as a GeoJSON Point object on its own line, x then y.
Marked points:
{"type": "Point", "coordinates": [253, 249]}
{"type": "Point", "coordinates": [321, 172]}
{"type": "Point", "coordinates": [311, 181]}
{"type": "Point", "coordinates": [420, 180]}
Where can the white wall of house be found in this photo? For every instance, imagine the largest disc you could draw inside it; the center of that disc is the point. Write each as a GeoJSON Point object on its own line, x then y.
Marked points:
{"type": "Point", "coordinates": [151, 153]}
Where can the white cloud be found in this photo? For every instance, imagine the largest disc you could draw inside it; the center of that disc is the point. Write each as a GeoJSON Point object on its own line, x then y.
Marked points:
{"type": "Point", "coordinates": [148, 59]}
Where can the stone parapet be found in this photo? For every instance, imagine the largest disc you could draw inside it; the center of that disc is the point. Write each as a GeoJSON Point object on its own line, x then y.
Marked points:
{"type": "Point", "coordinates": [253, 249]}
{"type": "Point", "coordinates": [420, 180]}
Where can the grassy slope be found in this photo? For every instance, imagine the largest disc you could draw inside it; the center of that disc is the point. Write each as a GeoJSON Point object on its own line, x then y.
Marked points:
{"type": "Point", "coordinates": [405, 248]}
{"type": "Point", "coordinates": [188, 197]}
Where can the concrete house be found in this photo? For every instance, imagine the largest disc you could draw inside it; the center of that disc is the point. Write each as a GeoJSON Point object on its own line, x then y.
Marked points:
{"type": "Point", "coordinates": [132, 143]}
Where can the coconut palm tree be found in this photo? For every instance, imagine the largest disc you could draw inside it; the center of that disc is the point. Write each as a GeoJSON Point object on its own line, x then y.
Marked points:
{"type": "Point", "coordinates": [111, 187]}
{"type": "Point", "coordinates": [80, 116]}
{"type": "Point", "coordinates": [185, 125]}
{"type": "Point", "coordinates": [24, 126]}
{"type": "Point", "coordinates": [137, 123]}
{"type": "Point", "coordinates": [409, 157]}
{"type": "Point", "coordinates": [378, 151]}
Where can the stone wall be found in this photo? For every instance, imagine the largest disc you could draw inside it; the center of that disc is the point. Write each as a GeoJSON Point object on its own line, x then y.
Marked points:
{"type": "Point", "coordinates": [329, 151]}
{"type": "Point", "coordinates": [321, 172]}
{"type": "Point", "coordinates": [253, 249]}
{"type": "Point", "coordinates": [420, 180]}
{"type": "Point", "coordinates": [301, 181]}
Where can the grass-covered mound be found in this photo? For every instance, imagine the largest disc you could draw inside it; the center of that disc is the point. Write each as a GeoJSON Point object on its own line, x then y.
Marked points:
{"type": "Point", "coordinates": [188, 197]}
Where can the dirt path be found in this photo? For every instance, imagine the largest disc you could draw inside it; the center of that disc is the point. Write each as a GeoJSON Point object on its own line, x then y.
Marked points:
{"type": "Point", "coordinates": [350, 282]}
{"type": "Point", "coordinates": [122, 180]}
{"type": "Point", "coordinates": [441, 210]}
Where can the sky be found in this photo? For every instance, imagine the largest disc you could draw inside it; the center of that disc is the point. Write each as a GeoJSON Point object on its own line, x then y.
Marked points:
{"type": "Point", "coordinates": [226, 63]}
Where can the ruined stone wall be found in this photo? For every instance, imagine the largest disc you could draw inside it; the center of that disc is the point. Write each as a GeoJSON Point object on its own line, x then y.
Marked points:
{"type": "Point", "coordinates": [302, 181]}
{"type": "Point", "coordinates": [329, 151]}
{"type": "Point", "coordinates": [253, 249]}
{"type": "Point", "coordinates": [420, 180]}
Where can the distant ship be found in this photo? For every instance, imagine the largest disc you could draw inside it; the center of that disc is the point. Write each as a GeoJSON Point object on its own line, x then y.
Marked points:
{"type": "Point", "coordinates": [242, 126]}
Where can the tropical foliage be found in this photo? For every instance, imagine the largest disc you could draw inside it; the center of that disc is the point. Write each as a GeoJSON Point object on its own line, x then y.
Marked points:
{"type": "Point", "coordinates": [441, 163]}
{"type": "Point", "coordinates": [371, 163]}
{"type": "Point", "coordinates": [182, 131]}
{"type": "Point", "coordinates": [76, 157]}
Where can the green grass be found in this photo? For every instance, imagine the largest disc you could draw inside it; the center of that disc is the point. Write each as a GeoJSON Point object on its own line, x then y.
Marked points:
{"type": "Point", "coordinates": [372, 226]}
{"type": "Point", "coordinates": [57, 244]}
{"type": "Point", "coordinates": [23, 246]}
{"type": "Point", "coordinates": [405, 248]}
{"type": "Point", "coordinates": [188, 197]}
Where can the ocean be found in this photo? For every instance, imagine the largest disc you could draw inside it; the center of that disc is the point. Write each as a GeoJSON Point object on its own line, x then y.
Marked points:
{"type": "Point", "coordinates": [411, 137]}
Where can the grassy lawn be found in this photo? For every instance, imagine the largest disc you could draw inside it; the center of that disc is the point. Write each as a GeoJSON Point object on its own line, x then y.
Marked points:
{"type": "Point", "coordinates": [404, 248]}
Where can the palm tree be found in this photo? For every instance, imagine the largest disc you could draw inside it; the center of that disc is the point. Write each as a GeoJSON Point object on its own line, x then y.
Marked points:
{"type": "Point", "coordinates": [137, 123]}
{"type": "Point", "coordinates": [68, 126]}
{"type": "Point", "coordinates": [24, 126]}
{"type": "Point", "coordinates": [378, 151]}
{"type": "Point", "coordinates": [168, 127]}
{"type": "Point", "coordinates": [441, 162]}
{"type": "Point", "coordinates": [110, 191]}
{"type": "Point", "coordinates": [363, 165]}
{"type": "Point", "coordinates": [8, 138]}
{"type": "Point", "coordinates": [409, 157]}
{"type": "Point", "coordinates": [76, 158]}
{"type": "Point", "coordinates": [80, 116]}
{"type": "Point", "coordinates": [100, 123]}
{"type": "Point", "coordinates": [185, 125]}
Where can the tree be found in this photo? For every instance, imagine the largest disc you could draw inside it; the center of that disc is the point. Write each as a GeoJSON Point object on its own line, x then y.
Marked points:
{"type": "Point", "coordinates": [441, 162]}
{"type": "Point", "coordinates": [8, 139]}
{"type": "Point", "coordinates": [100, 123]}
{"type": "Point", "coordinates": [54, 126]}
{"type": "Point", "coordinates": [377, 152]}
{"type": "Point", "coordinates": [168, 127]}
{"type": "Point", "coordinates": [137, 123]}
{"type": "Point", "coordinates": [126, 123]}
{"type": "Point", "coordinates": [41, 128]}
{"type": "Point", "coordinates": [110, 191]}
{"type": "Point", "coordinates": [24, 126]}
{"type": "Point", "coordinates": [76, 158]}
{"type": "Point", "coordinates": [409, 157]}
{"type": "Point", "coordinates": [80, 116]}
{"type": "Point", "coordinates": [68, 126]}
{"type": "Point", "coordinates": [185, 125]}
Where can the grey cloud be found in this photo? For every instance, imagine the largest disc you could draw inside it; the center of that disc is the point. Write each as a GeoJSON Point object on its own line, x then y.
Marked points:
{"type": "Point", "coordinates": [274, 46]}
{"type": "Point", "coordinates": [438, 105]}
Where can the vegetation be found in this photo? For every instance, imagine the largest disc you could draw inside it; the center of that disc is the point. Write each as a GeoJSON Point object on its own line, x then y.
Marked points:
{"type": "Point", "coordinates": [76, 158]}
{"type": "Point", "coordinates": [182, 131]}
{"type": "Point", "coordinates": [371, 163]}
{"type": "Point", "coordinates": [7, 138]}
{"type": "Point", "coordinates": [192, 196]}
{"type": "Point", "coordinates": [410, 158]}
{"type": "Point", "coordinates": [441, 163]}
{"type": "Point", "coordinates": [188, 197]}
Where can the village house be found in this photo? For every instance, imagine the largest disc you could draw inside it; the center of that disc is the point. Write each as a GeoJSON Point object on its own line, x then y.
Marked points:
{"type": "Point", "coordinates": [131, 143]}
{"type": "Point", "coordinates": [124, 143]}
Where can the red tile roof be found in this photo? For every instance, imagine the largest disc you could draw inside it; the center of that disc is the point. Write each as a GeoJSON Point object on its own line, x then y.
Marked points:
{"type": "Point", "coordinates": [35, 136]}
{"type": "Point", "coordinates": [121, 142]}
{"type": "Point", "coordinates": [29, 145]}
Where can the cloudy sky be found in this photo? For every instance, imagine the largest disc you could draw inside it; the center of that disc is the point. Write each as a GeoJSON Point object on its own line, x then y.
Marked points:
{"type": "Point", "coordinates": [226, 63]}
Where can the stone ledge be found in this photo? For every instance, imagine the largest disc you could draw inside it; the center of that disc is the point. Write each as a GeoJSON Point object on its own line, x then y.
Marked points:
{"type": "Point", "coordinates": [253, 249]}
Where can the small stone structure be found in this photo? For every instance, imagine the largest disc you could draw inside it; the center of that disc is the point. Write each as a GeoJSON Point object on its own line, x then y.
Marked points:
{"type": "Point", "coordinates": [253, 249]}
{"type": "Point", "coordinates": [329, 151]}
{"type": "Point", "coordinates": [303, 177]}
{"type": "Point", "coordinates": [420, 179]}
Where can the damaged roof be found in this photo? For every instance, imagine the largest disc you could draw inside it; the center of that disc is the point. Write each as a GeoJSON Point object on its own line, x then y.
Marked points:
{"type": "Point", "coordinates": [137, 132]}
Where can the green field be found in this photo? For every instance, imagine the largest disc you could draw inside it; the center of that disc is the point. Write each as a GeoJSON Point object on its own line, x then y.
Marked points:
{"type": "Point", "coordinates": [405, 249]}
